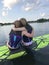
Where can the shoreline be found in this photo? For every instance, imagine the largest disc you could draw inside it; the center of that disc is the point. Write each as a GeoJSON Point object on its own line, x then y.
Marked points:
{"type": "Point", "coordinates": [37, 21]}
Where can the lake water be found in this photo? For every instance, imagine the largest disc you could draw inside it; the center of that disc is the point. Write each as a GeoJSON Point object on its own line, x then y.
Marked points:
{"type": "Point", "coordinates": [39, 29]}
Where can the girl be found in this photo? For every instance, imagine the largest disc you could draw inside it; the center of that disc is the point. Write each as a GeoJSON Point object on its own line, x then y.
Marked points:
{"type": "Point", "coordinates": [27, 37]}
{"type": "Point", "coordinates": [15, 36]}
{"type": "Point", "coordinates": [27, 34]}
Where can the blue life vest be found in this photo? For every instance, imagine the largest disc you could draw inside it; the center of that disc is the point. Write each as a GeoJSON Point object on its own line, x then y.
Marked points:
{"type": "Point", "coordinates": [14, 38]}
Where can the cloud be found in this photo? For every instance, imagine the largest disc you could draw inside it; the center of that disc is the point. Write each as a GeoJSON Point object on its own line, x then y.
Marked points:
{"type": "Point", "coordinates": [37, 1]}
{"type": "Point", "coordinates": [4, 13]}
{"type": "Point", "coordinates": [28, 7]}
{"type": "Point", "coordinates": [31, 4]}
{"type": "Point", "coordinates": [47, 0]}
{"type": "Point", "coordinates": [42, 14]}
{"type": "Point", "coordinates": [0, 21]}
{"type": "Point", "coordinates": [23, 0]}
{"type": "Point", "coordinates": [9, 3]}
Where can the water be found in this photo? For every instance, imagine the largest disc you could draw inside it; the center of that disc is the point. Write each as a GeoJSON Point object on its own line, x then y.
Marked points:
{"type": "Point", "coordinates": [4, 34]}
{"type": "Point", "coordinates": [39, 29]}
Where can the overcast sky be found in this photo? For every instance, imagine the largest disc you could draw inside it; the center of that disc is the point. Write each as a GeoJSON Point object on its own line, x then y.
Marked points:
{"type": "Point", "coordinates": [11, 10]}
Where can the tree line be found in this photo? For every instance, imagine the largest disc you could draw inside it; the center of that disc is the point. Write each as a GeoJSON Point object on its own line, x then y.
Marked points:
{"type": "Point", "coordinates": [37, 21]}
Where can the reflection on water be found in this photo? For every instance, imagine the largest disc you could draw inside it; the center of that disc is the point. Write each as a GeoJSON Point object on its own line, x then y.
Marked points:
{"type": "Point", "coordinates": [39, 28]}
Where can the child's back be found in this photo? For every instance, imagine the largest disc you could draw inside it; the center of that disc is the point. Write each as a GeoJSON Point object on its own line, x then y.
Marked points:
{"type": "Point", "coordinates": [14, 38]}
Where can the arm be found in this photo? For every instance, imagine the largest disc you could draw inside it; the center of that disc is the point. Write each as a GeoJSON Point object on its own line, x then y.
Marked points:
{"type": "Point", "coordinates": [19, 29]}
{"type": "Point", "coordinates": [28, 34]}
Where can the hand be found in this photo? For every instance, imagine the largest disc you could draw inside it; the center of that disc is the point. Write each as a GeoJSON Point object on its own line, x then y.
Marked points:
{"type": "Point", "coordinates": [27, 34]}
{"type": "Point", "coordinates": [24, 32]}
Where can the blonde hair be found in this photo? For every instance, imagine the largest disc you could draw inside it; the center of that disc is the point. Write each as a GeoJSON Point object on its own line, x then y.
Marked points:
{"type": "Point", "coordinates": [23, 21]}
{"type": "Point", "coordinates": [17, 23]}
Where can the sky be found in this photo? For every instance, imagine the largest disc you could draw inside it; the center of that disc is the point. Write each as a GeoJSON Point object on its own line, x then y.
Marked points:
{"type": "Point", "coordinates": [11, 10]}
